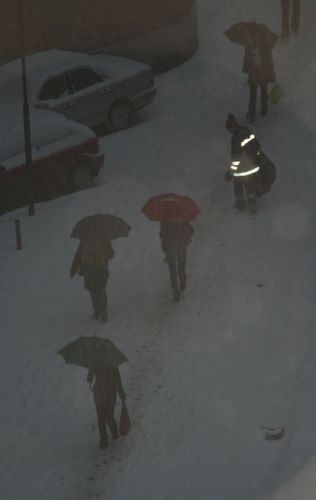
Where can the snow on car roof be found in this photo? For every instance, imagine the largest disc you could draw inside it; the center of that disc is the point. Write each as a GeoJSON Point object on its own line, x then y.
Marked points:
{"type": "Point", "coordinates": [48, 130]}
{"type": "Point", "coordinates": [41, 65]}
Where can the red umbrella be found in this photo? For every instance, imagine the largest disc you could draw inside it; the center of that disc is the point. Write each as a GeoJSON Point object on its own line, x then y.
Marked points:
{"type": "Point", "coordinates": [171, 207]}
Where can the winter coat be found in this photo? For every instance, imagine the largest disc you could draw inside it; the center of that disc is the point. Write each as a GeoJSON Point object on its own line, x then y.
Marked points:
{"type": "Point", "coordinates": [107, 384]}
{"type": "Point", "coordinates": [91, 262]}
{"type": "Point", "coordinates": [175, 237]}
{"type": "Point", "coordinates": [244, 141]}
{"type": "Point", "coordinates": [258, 64]}
{"type": "Point", "coordinates": [245, 151]}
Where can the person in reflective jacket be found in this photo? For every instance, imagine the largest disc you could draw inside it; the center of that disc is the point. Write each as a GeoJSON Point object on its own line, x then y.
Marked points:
{"type": "Point", "coordinates": [244, 167]}
{"type": "Point", "coordinates": [175, 237]}
{"type": "Point", "coordinates": [107, 384]}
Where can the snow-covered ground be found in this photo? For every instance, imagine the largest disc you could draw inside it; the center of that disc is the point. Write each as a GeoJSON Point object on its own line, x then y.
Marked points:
{"type": "Point", "coordinates": [204, 375]}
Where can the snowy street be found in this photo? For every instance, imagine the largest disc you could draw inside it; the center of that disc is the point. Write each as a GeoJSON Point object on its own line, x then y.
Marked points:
{"type": "Point", "coordinates": [236, 354]}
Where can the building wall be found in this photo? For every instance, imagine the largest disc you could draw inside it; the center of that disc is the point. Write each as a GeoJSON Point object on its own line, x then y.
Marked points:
{"type": "Point", "coordinates": [91, 25]}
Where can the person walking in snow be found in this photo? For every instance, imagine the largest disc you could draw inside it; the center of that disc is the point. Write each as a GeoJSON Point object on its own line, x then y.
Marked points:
{"type": "Point", "coordinates": [248, 163]}
{"type": "Point", "coordinates": [244, 168]}
{"type": "Point", "coordinates": [91, 262]}
{"type": "Point", "coordinates": [290, 11]}
{"type": "Point", "coordinates": [175, 238]}
{"type": "Point", "coordinates": [106, 385]}
{"type": "Point", "coordinates": [258, 64]}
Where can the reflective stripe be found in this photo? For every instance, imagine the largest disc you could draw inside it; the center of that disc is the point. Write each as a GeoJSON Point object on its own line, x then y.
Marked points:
{"type": "Point", "coordinates": [236, 163]}
{"type": "Point", "coordinates": [233, 167]}
{"type": "Point", "coordinates": [248, 139]}
{"type": "Point", "coordinates": [249, 172]}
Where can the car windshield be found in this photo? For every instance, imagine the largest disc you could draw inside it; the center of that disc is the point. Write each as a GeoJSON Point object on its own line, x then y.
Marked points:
{"type": "Point", "coordinates": [54, 88]}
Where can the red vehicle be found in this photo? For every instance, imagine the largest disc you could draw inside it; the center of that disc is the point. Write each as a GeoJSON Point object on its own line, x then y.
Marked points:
{"type": "Point", "coordinates": [65, 156]}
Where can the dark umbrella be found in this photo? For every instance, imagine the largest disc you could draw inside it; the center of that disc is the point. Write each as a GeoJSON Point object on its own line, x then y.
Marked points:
{"type": "Point", "coordinates": [100, 226]}
{"type": "Point", "coordinates": [171, 207]}
{"type": "Point", "coordinates": [251, 34]}
{"type": "Point", "coordinates": [93, 353]}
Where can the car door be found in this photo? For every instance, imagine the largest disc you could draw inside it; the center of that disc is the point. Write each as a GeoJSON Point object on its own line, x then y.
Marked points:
{"type": "Point", "coordinates": [55, 94]}
{"type": "Point", "coordinates": [91, 94]}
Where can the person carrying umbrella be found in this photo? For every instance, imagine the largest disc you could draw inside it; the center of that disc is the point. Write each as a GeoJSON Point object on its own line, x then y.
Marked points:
{"type": "Point", "coordinates": [174, 213]}
{"type": "Point", "coordinates": [91, 260]}
{"type": "Point", "coordinates": [175, 238]}
{"type": "Point", "coordinates": [258, 64]}
{"type": "Point", "coordinates": [102, 359]}
{"type": "Point", "coordinates": [107, 384]}
{"type": "Point", "coordinates": [258, 41]}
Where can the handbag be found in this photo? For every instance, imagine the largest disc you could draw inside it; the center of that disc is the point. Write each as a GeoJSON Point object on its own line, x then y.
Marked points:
{"type": "Point", "coordinates": [125, 421]}
{"type": "Point", "coordinates": [275, 94]}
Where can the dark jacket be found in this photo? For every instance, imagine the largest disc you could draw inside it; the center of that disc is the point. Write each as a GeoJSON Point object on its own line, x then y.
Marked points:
{"type": "Point", "coordinates": [175, 237]}
{"type": "Point", "coordinates": [107, 384]}
{"type": "Point", "coordinates": [244, 142]}
{"type": "Point", "coordinates": [91, 262]}
{"type": "Point", "coordinates": [258, 64]}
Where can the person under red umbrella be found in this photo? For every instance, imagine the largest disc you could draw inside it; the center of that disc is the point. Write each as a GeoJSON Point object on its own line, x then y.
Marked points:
{"type": "Point", "coordinates": [175, 238]}
{"type": "Point", "coordinates": [174, 213]}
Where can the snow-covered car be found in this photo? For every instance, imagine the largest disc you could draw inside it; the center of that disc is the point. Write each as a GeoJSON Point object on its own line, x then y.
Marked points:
{"type": "Point", "coordinates": [65, 157]}
{"type": "Point", "coordinates": [90, 89]}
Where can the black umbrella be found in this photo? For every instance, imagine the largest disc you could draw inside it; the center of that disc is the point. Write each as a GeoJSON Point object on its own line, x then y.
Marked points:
{"type": "Point", "coordinates": [99, 226]}
{"type": "Point", "coordinates": [251, 34]}
{"type": "Point", "coordinates": [93, 353]}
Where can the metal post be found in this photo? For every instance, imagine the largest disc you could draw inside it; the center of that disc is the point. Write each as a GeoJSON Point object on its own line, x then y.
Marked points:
{"type": "Point", "coordinates": [18, 234]}
{"type": "Point", "coordinates": [26, 117]}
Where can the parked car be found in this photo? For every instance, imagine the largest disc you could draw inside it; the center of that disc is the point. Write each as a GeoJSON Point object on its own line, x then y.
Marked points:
{"type": "Point", "coordinates": [65, 155]}
{"type": "Point", "coordinates": [90, 89]}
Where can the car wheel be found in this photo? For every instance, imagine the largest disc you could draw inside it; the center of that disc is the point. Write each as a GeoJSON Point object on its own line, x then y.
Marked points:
{"type": "Point", "coordinates": [120, 116]}
{"type": "Point", "coordinates": [81, 178]}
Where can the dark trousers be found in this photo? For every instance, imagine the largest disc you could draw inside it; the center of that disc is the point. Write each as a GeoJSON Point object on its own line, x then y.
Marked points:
{"type": "Point", "coordinates": [287, 14]}
{"type": "Point", "coordinates": [105, 414]}
{"type": "Point", "coordinates": [253, 92]}
{"type": "Point", "coordinates": [177, 264]}
{"type": "Point", "coordinates": [249, 187]}
{"type": "Point", "coordinates": [99, 302]}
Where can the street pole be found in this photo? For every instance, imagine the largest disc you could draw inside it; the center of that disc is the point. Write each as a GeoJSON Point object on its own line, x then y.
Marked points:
{"type": "Point", "coordinates": [26, 117]}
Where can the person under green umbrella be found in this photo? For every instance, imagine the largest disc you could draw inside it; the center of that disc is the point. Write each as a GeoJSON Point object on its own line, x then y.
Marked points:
{"type": "Point", "coordinates": [107, 384]}
{"type": "Point", "coordinates": [102, 359]}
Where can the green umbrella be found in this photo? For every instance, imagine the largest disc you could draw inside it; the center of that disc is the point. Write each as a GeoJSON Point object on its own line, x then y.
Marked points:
{"type": "Point", "coordinates": [93, 353]}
